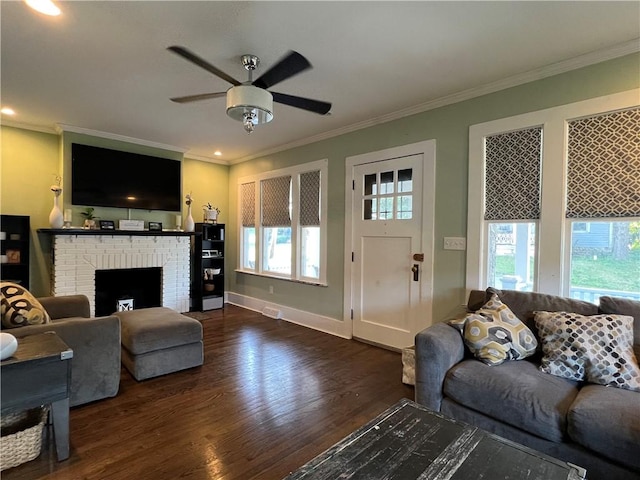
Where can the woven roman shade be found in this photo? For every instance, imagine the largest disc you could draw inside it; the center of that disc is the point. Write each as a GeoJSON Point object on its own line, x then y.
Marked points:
{"type": "Point", "coordinates": [603, 169]}
{"type": "Point", "coordinates": [276, 195]}
{"type": "Point", "coordinates": [310, 199]}
{"type": "Point", "coordinates": [248, 208]}
{"type": "Point", "coordinates": [512, 175]}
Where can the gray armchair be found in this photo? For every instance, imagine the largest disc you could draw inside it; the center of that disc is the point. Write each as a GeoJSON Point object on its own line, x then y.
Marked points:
{"type": "Point", "coordinates": [95, 368]}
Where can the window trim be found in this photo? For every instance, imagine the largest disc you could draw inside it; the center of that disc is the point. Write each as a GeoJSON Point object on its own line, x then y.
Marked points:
{"type": "Point", "coordinates": [296, 247]}
{"type": "Point", "coordinates": [551, 272]}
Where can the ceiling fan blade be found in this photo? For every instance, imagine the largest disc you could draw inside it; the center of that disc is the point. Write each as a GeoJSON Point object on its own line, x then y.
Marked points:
{"type": "Point", "coordinates": [195, 98]}
{"type": "Point", "coordinates": [288, 66]}
{"type": "Point", "coordinates": [193, 58]}
{"type": "Point", "coordinates": [316, 106]}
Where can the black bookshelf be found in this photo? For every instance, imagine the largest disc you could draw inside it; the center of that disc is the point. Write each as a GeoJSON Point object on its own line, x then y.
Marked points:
{"type": "Point", "coordinates": [207, 274]}
{"type": "Point", "coordinates": [15, 231]}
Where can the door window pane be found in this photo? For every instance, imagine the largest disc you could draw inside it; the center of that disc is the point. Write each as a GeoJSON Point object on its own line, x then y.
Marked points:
{"type": "Point", "coordinates": [511, 258]}
{"type": "Point", "coordinates": [386, 208]}
{"type": "Point", "coordinates": [605, 260]}
{"type": "Point", "coordinates": [405, 207]}
{"type": "Point", "coordinates": [370, 209]}
{"type": "Point", "coordinates": [386, 183]}
{"type": "Point", "coordinates": [370, 184]}
{"type": "Point", "coordinates": [405, 183]}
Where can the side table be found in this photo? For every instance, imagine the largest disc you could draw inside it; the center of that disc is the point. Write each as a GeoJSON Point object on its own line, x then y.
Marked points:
{"type": "Point", "coordinates": [39, 373]}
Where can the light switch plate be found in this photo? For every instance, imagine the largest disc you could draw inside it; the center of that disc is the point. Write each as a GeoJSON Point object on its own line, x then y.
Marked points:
{"type": "Point", "coordinates": [455, 243]}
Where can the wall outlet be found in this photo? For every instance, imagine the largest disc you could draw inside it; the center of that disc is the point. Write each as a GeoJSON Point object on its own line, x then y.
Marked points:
{"type": "Point", "coordinates": [455, 243]}
{"type": "Point", "coordinates": [271, 289]}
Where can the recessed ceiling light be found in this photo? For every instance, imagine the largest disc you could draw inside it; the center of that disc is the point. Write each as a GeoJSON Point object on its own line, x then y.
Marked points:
{"type": "Point", "coordinates": [7, 111]}
{"type": "Point", "coordinates": [217, 153]}
{"type": "Point", "coordinates": [44, 6]}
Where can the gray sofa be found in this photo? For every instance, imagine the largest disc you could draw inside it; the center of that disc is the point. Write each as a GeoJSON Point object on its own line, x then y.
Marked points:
{"type": "Point", "coordinates": [95, 367]}
{"type": "Point", "coordinates": [593, 426]}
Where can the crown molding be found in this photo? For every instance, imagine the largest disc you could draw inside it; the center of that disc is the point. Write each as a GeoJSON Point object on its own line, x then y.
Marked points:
{"type": "Point", "coordinates": [27, 126]}
{"type": "Point", "coordinates": [591, 58]}
{"type": "Point", "coordinates": [203, 158]}
{"type": "Point", "coordinates": [61, 127]}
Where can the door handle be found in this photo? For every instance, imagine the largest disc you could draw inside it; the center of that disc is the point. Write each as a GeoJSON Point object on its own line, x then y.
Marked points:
{"type": "Point", "coordinates": [416, 271]}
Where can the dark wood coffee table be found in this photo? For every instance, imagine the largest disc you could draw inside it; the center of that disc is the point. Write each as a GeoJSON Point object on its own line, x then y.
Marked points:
{"type": "Point", "coordinates": [409, 441]}
{"type": "Point", "coordinates": [39, 373]}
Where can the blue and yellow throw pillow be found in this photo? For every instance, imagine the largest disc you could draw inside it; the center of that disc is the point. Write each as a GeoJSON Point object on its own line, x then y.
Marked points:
{"type": "Point", "coordinates": [494, 334]}
{"type": "Point", "coordinates": [19, 307]}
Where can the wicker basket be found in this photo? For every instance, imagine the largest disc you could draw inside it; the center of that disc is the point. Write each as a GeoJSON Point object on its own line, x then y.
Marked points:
{"type": "Point", "coordinates": [21, 438]}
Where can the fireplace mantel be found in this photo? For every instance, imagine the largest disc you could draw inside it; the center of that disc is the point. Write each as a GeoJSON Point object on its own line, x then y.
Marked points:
{"type": "Point", "coordinates": [76, 254]}
{"type": "Point", "coordinates": [144, 233]}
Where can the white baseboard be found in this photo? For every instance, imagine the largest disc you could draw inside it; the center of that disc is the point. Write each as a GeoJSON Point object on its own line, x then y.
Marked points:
{"type": "Point", "coordinates": [299, 317]}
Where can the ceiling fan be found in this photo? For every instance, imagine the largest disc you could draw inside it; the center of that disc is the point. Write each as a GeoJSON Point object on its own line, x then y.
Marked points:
{"type": "Point", "coordinates": [250, 102]}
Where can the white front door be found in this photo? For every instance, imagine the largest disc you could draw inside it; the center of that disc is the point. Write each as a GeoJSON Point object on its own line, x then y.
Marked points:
{"type": "Point", "coordinates": [390, 270]}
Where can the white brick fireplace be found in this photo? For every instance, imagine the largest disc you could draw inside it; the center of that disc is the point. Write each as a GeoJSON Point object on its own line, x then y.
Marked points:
{"type": "Point", "coordinates": [77, 257]}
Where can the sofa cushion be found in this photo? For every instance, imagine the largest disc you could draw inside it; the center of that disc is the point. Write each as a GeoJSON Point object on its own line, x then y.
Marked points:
{"type": "Point", "coordinates": [150, 329]}
{"type": "Point", "coordinates": [597, 348]}
{"type": "Point", "coordinates": [607, 421]}
{"type": "Point", "coordinates": [516, 393]}
{"type": "Point", "coordinates": [625, 306]}
{"type": "Point", "coordinates": [494, 334]}
{"type": "Point", "coordinates": [19, 308]}
{"type": "Point", "coordinates": [524, 304]}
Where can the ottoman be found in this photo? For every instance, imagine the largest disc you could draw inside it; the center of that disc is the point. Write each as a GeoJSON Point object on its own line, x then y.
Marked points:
{"type": "Point", "coordinates": [157, 341]}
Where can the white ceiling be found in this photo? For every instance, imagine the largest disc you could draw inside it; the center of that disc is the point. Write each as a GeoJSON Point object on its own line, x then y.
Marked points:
{"type": "Point", "coordinates": [104, 66]}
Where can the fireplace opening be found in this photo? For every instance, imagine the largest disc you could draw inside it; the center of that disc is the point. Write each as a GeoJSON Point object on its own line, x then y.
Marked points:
{"type": "Point", "coordinates": [127, 288]}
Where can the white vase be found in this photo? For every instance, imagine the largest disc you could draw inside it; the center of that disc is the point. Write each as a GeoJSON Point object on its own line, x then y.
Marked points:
{"type": "Point", "coordinates": [56, 219]}
{"type": "Point", "coordinates": [189, 224]}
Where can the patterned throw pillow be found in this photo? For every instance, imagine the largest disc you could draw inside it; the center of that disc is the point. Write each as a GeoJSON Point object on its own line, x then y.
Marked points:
{"type": "Point", "coordinates": [494, 334]}
{"type": "Point", "coordinates": [597, 348]}
{"type": "Point", "coordinates": [20, 308]}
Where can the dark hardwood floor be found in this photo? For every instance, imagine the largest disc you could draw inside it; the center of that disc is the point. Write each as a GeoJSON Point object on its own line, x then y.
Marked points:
{"type": "Point", "coordinates": [270, 396]}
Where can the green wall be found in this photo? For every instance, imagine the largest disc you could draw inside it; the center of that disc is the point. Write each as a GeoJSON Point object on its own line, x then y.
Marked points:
{"type": "Point", "coordinates": [30, 160]}
{"type": "Point", "coordinates": [449, 126]}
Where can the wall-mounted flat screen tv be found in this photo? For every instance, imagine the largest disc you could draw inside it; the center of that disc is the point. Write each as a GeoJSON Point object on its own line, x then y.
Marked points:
{"type": "Point", "coordinates": [110, 178]}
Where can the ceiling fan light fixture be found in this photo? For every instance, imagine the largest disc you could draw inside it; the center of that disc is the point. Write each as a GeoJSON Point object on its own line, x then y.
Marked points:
{"type": "Point", "coordinates": [249, 105]}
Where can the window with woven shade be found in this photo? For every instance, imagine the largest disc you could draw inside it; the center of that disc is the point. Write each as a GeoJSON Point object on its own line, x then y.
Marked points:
{"type": "Point", "coordinates": [603, 203]}
{"type": "Point", "coordinates": [512, 174]}
{"type": "Point", "coordinates": [248, 222]}
{"type": "Point", "coordinates": [276, 225]}
{"type": "Point", "coordinates": [310, 224]}
{"type": "Point", "coordinates": [283, 223]}
{"type": "Point", "coordinates": [554, 200]}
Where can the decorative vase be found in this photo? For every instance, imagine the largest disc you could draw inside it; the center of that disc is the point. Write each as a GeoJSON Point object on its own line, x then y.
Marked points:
{"type": "Point", "coordinates": [189, 224]}
{"type": "Point", "coordinates": [56, 219]}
